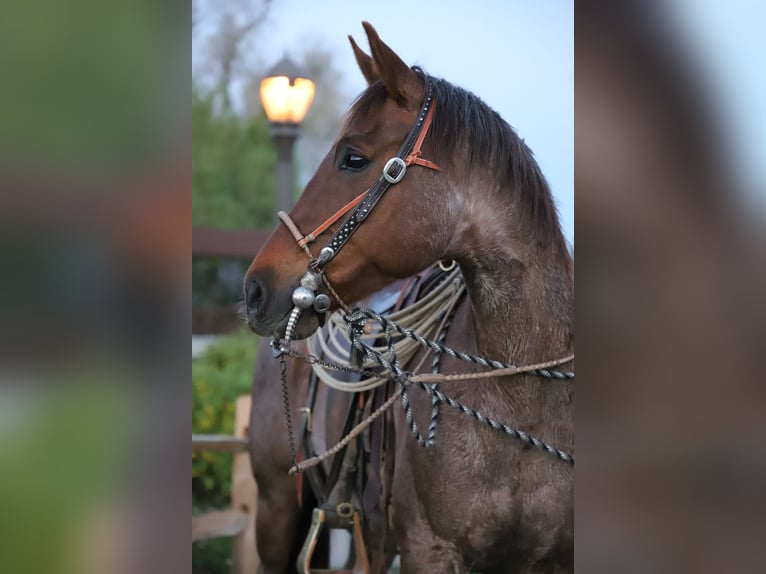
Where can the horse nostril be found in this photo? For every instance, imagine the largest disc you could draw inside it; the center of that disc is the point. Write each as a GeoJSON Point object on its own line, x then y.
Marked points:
{"type": "Point", "coordinates": [253, 294]}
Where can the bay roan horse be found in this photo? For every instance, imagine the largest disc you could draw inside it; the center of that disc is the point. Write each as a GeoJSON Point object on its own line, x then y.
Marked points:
{"type": "Point", "coordinates": [477, 500]}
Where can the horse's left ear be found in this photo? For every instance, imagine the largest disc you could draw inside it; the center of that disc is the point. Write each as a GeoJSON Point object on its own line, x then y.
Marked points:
{"type": "Point", "coordinates": [402, 83]}
{"type": "Point", "coordinates": [365, 63]}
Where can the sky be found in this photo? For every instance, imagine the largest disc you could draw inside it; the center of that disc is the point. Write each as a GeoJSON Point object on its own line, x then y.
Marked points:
{"type": "Point", "coordinates": [516, 56]}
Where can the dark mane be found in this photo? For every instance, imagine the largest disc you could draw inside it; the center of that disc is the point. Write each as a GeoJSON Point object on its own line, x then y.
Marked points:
{"type": "Point", "coordinates": [462, 118]}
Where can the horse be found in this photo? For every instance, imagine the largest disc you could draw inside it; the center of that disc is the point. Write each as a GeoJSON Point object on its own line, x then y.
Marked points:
{"type": "Point", "coordinates": [475, 500]}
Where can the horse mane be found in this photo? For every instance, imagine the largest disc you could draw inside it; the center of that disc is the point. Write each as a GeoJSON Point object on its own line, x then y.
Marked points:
{"type": "Point", "coordinates": [462, 119]}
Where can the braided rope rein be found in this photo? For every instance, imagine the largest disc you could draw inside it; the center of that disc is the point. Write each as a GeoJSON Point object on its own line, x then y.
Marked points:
{"type": "Point", "coordinates": [427, 383]}
{"type": "Point", "coordinates": [404, 378]}
{"type": "Point", "coordinates": [435, 368]}
{"type": "Point", "coordinates": [418, 380]}
{"type": "Point", "coordinates": [357, 320]}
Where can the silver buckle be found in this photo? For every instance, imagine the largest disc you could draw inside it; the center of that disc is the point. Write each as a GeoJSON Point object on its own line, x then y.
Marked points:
{"type": "Point", "coordinates": [394, 161]}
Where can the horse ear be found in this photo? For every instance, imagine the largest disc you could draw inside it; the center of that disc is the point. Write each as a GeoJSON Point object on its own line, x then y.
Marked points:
{"type": "Point", "coordinates": [401, 82]}
{"type": "Point", "coordinates": [365, 63]}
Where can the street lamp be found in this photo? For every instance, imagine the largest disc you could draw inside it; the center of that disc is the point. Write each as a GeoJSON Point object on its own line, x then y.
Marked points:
{"type": "Point", "coordinates": [286, 95]}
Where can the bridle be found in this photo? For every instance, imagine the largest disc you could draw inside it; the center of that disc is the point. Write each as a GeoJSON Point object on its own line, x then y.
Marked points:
{"type": "Point", "coordinates": [306, 295]}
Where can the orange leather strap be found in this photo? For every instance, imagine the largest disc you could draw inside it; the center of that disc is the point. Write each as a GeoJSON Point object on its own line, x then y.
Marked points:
{"type": "Point", "coordinates": [332, 219]}
{"type": "Point", "coordinates": [414, 155]}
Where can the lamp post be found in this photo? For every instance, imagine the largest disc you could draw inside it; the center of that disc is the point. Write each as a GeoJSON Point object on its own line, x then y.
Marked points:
{"type": "Point", "coordinates": [286, 95]}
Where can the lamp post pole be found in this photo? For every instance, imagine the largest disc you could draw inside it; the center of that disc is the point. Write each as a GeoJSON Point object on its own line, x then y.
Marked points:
{"type": "Point", "coordinates": [284, 136]}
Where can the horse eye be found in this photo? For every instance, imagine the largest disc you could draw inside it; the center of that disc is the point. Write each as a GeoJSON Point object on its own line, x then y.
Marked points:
{"type": "Point", "coordinates": [354, 161]}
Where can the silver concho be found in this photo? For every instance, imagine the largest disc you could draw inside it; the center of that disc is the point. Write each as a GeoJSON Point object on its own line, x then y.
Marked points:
{"type": "Point", "coordinates": [322, 303]}
{"type": "Point", "coordinates": [325, 255]}
{"type": "Point", "coordinates": [303, 297]}
{"type": "Point", "coordinates": [309, 281]}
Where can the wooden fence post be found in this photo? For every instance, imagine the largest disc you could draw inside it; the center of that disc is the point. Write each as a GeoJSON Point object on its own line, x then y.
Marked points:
{"type": "Point", "coordinates": [244, 493]}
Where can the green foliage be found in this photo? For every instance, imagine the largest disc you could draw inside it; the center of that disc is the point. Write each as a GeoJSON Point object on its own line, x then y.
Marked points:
{"type": "Point", "coordinates": [232, 167]}
{"type": "Point", "coordinates": [219, 376]}
{"type": "Point", "coordinates": [212, 556]}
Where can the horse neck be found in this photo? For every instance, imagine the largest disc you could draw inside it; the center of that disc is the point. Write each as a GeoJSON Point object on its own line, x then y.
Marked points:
{"type": "Point", "coordinates": [522, 313]}
{"type": "Point", "coordinates": [522, 294]}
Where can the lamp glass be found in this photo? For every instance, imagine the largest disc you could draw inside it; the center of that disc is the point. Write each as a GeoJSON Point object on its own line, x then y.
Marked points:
{"type": "Point", "coordinates": [284, 103]}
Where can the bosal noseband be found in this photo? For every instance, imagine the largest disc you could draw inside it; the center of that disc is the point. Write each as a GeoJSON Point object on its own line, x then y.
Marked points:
{"type": "Point", "coordinates": [393, 172]}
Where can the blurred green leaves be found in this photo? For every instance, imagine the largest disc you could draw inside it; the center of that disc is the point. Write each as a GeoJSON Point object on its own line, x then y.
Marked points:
{"type": "Point", "coordinates": [232, 167]}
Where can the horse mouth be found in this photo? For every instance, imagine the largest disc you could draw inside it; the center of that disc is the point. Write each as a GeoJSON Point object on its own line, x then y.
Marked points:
{"type": "Point", "coordinates": [308, 322]}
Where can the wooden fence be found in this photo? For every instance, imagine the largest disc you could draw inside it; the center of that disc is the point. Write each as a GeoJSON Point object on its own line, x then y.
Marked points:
{"type": "Point", "coordinates": [238, 521]}
{"type": "Point", "coordinates": [239, 243]}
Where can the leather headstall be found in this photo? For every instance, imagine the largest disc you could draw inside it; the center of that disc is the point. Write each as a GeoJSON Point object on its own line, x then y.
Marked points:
{"type": "Point", "coordinates": [393, 172]}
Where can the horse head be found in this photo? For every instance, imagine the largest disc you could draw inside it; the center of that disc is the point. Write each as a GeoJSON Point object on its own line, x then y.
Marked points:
{"type": "Point", "coordinates": [408, 229]}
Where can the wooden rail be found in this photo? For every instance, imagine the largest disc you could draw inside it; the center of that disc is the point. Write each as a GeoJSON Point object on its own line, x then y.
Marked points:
{"type": "Point", "coordinates": [220, 442]}
{"type": "Point", "coordinates": [218, 524]}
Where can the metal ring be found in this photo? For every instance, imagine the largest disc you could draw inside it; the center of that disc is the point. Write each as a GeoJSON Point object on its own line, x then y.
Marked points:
{"type": "Point", "coordinates": [394, 161]}
{"type": "Point", "coordinates": [447, 266]}
{"type": "Point", "coordinates": [345, 510]}
{"type": "Point", "coordinates": [325, 255]}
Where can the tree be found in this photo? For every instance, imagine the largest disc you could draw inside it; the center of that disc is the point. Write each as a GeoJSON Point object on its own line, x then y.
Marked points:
{"type": "Point", "coordinates": [235, 24]}
{"type": "Point", "coordinates": [232, 167]}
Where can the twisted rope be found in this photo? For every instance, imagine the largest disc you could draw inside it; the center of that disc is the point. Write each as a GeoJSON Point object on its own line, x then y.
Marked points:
{"type": "Point", "coordinates": [355, 432]}
{"type": "Point", "coordinates": [516, 433]}
{"type": "Point", "coordinates": [435, 367]}
{"type": "Point", "coordinates": [358, 319]}
{"type": "Point", "coordinates": [333, 340]}
{"type": "Point", "coordinates": [420, 381]}
{"type": "Point", "coordinates": [356, 325]}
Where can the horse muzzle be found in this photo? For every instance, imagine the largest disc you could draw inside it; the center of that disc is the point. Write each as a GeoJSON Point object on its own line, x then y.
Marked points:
{"type": "Point", "coordinates": [267, 311]}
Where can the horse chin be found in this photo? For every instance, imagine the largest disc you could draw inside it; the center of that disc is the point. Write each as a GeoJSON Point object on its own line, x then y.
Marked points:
{"type": "Point", "coordinates": [307, 325]}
